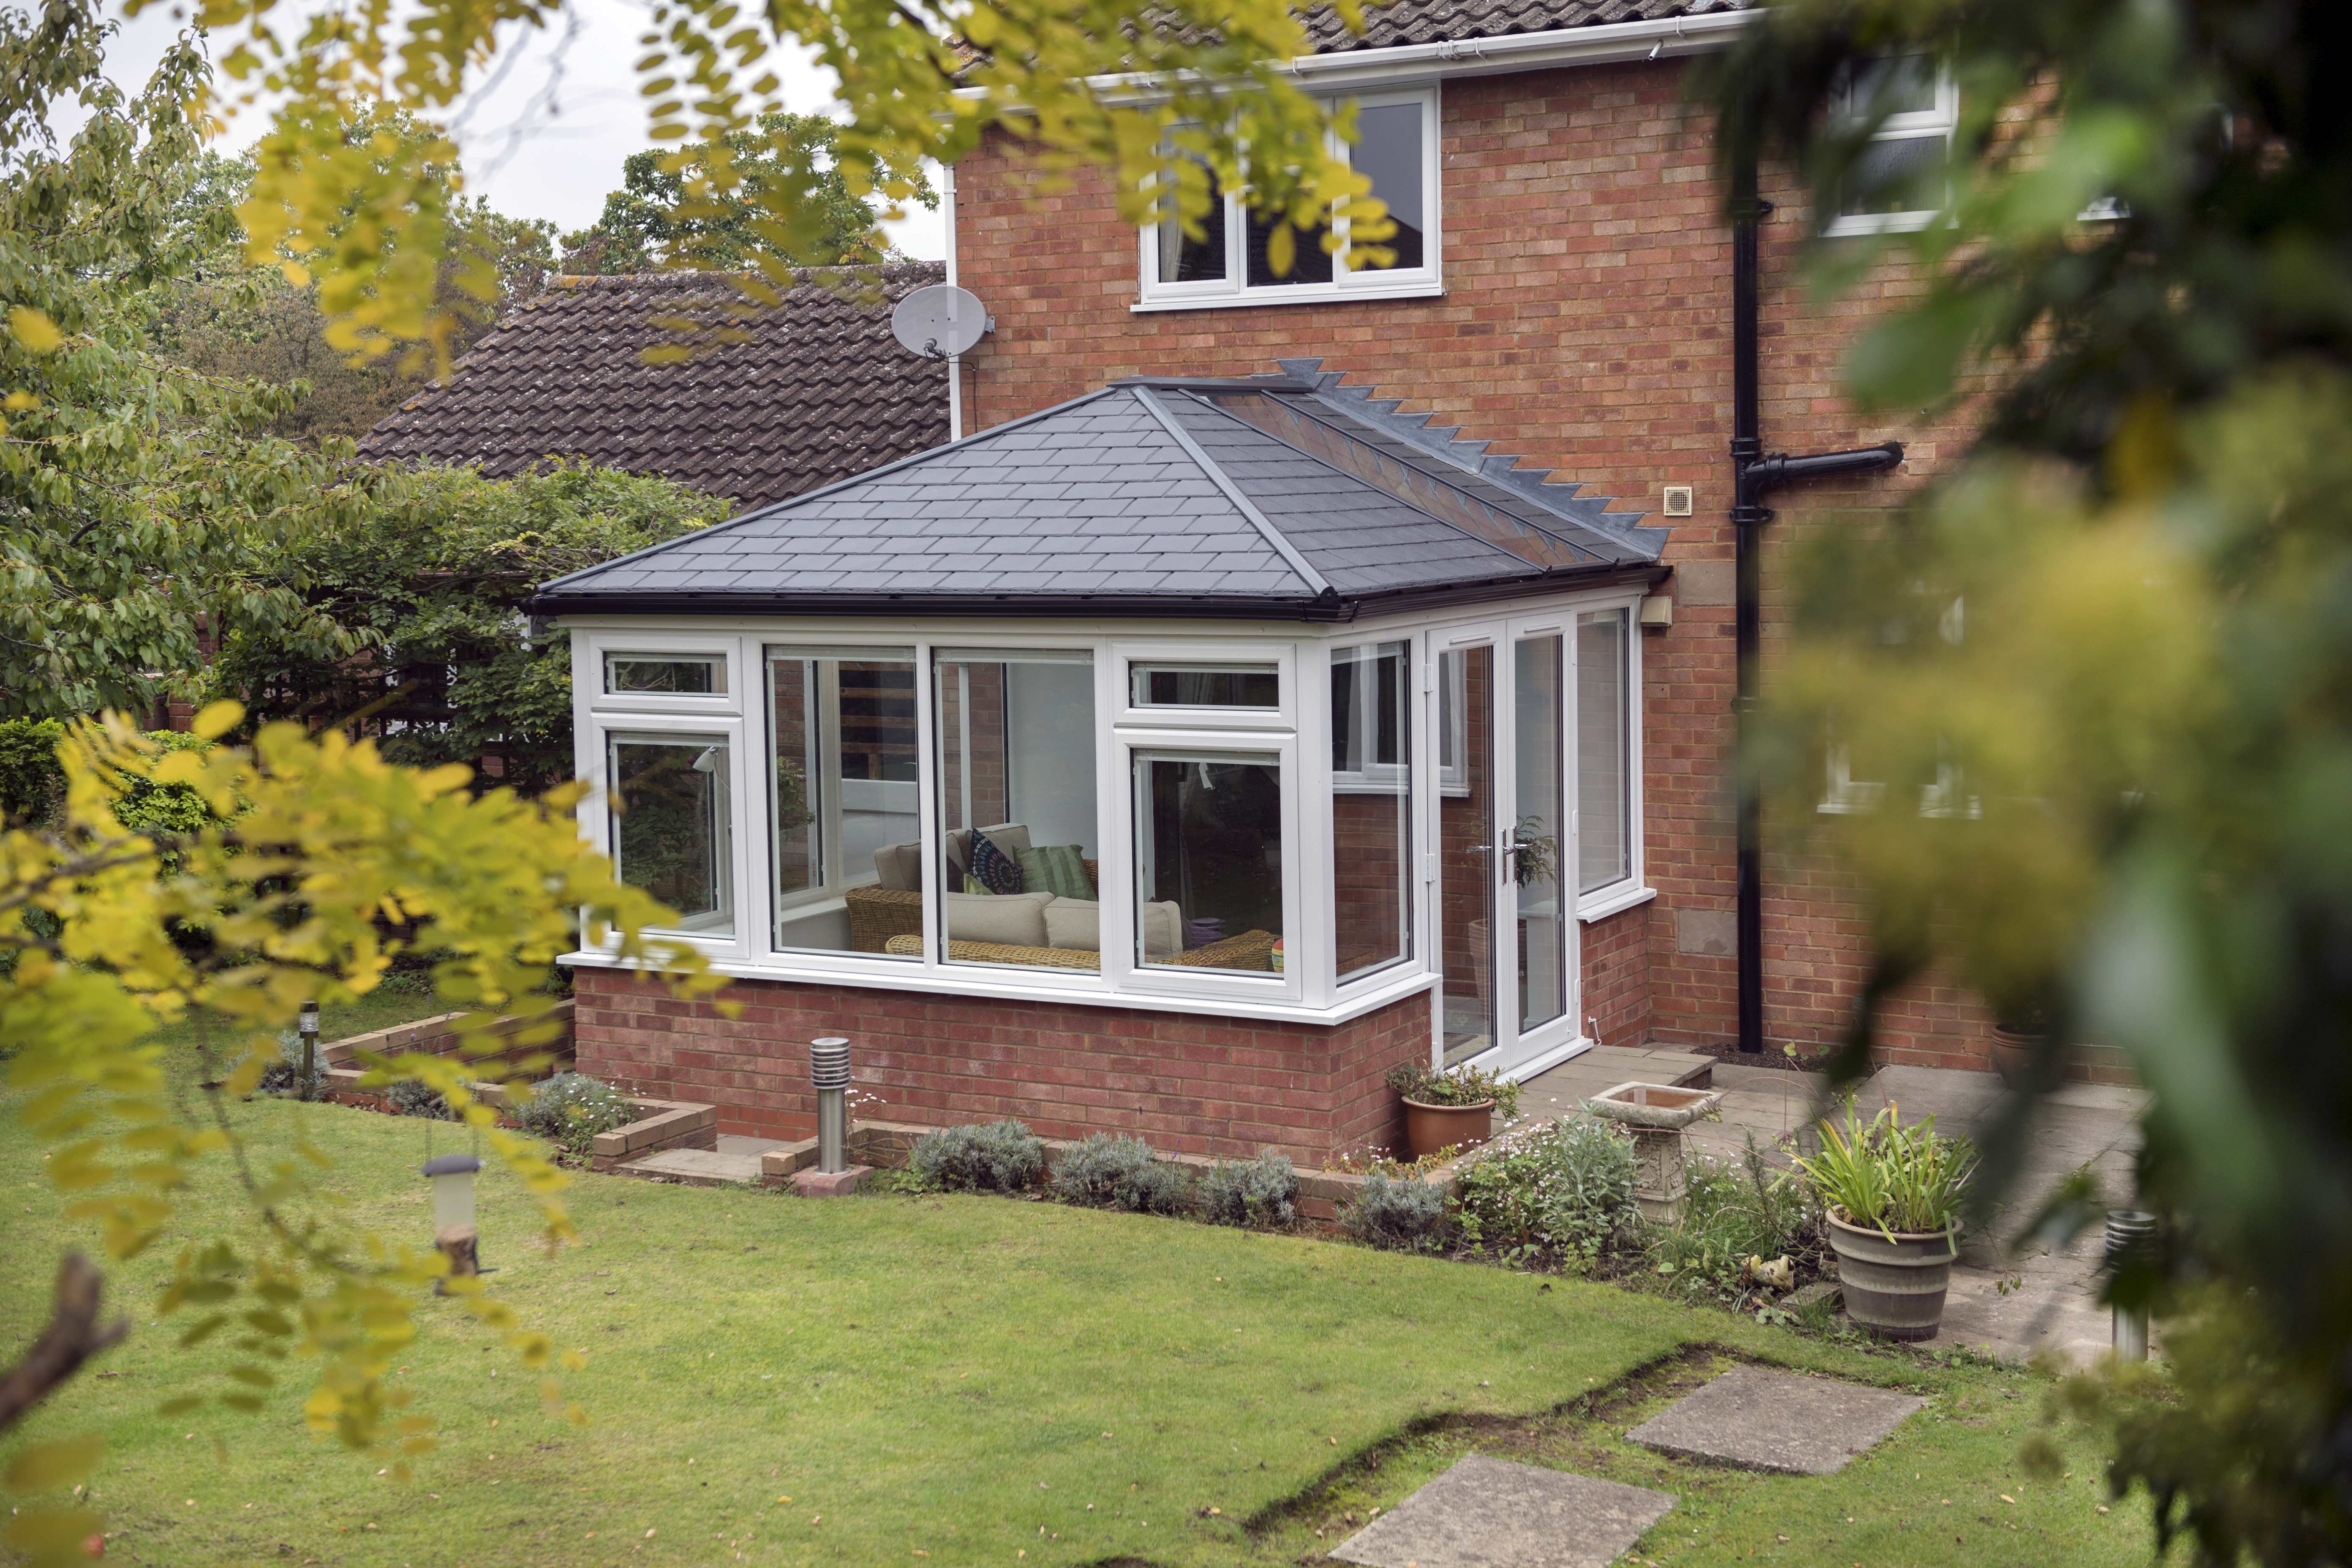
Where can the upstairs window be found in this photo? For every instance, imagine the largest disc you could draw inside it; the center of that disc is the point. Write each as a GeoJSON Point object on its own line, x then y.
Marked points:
{"type": "Point", "coordinates": [1898, 184]}
{"type": "Point", "coordinates": [1396, 147]}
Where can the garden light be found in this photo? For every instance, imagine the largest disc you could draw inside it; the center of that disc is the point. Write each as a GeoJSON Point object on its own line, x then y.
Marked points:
{"type": "Point", "coordinates": [2131, 1237]}
{"type": "Point", "coordinates": [452, 1211]}
{"type": "Point", "coordinates": [306, 1022]}
{"type": "Point", "coordinates": [829, 1073]}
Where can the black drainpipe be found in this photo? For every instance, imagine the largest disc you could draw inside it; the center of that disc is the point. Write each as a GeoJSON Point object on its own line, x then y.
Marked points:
{"type": "Point", "coordinates": [1753, 477]}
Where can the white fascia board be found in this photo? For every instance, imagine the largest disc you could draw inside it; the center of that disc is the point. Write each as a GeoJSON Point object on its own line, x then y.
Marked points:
{"type": "Point", "coordinates": [1611, 44]}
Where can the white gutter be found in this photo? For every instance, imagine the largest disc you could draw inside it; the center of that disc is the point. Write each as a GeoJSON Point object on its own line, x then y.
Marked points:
{"type": "Point", "coordinates": [1561, 46]}
{"type": "Point", "coordinates": [1613, 44]}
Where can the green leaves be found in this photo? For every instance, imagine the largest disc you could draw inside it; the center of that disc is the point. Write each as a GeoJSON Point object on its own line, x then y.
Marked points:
{"type": "Point", "coordinates": [45, 1466]}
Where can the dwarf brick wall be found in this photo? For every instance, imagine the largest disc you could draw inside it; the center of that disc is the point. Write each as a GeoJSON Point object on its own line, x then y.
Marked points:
{"type": "Point", "coordinates": [1185, 1084]}
{"type": "Point", "coordinates": [1586, 326]}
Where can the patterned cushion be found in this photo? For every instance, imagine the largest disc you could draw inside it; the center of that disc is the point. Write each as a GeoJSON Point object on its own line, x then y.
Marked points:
{"type": "Point", "coordinates": [992, 868]}
{"type": "Point", "coordinates": [1056, 868]}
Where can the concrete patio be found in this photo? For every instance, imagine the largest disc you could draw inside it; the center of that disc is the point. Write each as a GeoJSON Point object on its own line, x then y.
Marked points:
{"type": "Point", "coordinates": [2050, 1303]}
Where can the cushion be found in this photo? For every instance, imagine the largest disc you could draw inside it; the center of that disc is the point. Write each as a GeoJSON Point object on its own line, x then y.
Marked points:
{"type": "Point", "coordinates": [1077, 923]}
{"type": "Point", "coordinates": [993, 867]}
{"type": "Point", "coordinates": [1017, 919]}
{"type": "Point", "coordinates": [900, 867]}
{"type": "Point", "coordinates": [1058, 869]}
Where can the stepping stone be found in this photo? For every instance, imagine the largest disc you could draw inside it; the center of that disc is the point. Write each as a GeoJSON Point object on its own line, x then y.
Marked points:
{"type": "Point", "coordinates": [1488, 1513]}
{"type": "Point", "coordinates": [1762, 1420]}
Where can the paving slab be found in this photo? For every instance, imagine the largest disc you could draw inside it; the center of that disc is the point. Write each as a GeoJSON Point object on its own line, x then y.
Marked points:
{"type": "Point", "coordinates": [697, 1167]}
{"type": "Point", "coordinates": [1764, 1420]}
{"type": "Point", "coordinates": [1491, 1513]}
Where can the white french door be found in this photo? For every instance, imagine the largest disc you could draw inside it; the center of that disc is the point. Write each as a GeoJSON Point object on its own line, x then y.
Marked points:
{"type": "Point", "coordinates": [1506, 832]}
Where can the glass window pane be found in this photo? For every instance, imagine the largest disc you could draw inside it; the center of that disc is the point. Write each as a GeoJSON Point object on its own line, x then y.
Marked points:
{"type": "Point", "coordinates": [670, 826]}
{"type": "Point", "coordinates": [1895, 174]}
{"type": "Point", "coordinates": [1465, 844]}
{"type": "Point", "coordinates": [1603, 784]}
{"type": "Point", "coordinates": [1536, 836]}
{"type": "Point", "coordinates": [1206, 686]}
{"type": "Point", "coordinates": [1017, 764]}
{"type": "Point", "coordinates": [1371, 807]}
{"type": "Point", "coordinates": [1310, 262]}
{"type": "Point", "coordinates": [846, 824]}
{"type": "Point", "coordinates": [1906, 82]}
{"type": "Point", "coordinates": [1183, 260]}
{"type": "Point", "coordinates": [1388, 150]}
{"type": "Point", "coordinates": [1208, 874]}
{"type": "Point", "coordinates": [687, 674]}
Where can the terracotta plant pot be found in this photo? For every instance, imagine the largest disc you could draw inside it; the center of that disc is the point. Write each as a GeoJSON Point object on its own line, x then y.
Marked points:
{"type": "Point", "coordinates": [2012, 1054]}
{"type": "Point", "coordinates": [1429, 1128]}
{"type": "Point", "coordinates": [1894, 1289]}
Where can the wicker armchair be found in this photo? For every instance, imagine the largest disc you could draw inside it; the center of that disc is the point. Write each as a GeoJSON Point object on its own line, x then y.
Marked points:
{"type": "Point", "coordinates": [1250, 949]}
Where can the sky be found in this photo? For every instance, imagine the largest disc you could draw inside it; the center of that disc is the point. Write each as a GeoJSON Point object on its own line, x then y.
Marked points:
{"type": "Point", "coordinates": [545, 138]}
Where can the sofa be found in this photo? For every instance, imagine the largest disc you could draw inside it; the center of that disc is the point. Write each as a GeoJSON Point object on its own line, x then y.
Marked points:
{"type": "Point", "coordinates": [1040, 929]}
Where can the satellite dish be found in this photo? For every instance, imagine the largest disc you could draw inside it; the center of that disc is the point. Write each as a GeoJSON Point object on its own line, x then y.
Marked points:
{"type": "Point", "coordinates": [939, 322]}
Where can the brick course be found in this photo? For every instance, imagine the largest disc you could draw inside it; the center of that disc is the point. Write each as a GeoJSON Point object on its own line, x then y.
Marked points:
{"type": "Point", "coordinates": [1185, 1083]}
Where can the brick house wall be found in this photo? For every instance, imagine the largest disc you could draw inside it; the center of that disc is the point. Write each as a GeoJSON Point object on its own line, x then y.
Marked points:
{"type": "Point", "coordinates": [1186, 1084]}
{"type": "Point", "coordinates": [1586, 326]}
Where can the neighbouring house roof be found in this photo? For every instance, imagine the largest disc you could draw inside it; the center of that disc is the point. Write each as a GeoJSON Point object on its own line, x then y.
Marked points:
{"type": "Point", "coordinates": [1286, 495]}
{"type": "Point", "coordinates": [1454, 21]}
{"type": "Point", "coordinates": [811, 391]}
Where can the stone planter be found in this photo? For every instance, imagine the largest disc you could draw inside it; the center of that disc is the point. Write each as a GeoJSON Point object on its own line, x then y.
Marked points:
{"type": "Point", "coordinates": [1894, 1289]}
{"type": "Point", "coordinates": [1655, 1114]}
{"type": "Point", "coordinates": [1429, 1128]}
{"type": "Point", "coordinates": [2012, 1054]}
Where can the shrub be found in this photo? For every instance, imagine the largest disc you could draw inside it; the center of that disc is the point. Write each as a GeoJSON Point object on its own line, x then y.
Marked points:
{"type": "Point", "coordinates": [1736, 1210]}
{"type": "Point", "coordinates": [569, 1108]}
{"type": "Point", "coordinates": [410, 1098]}
{"type": "Point", "coordinates": [1108, 1171]}
{"type": "Point", "coordinates": [284, 1076]}
{"type": "Point", "coordinates": [1260, 1192]}
{"type": "Point", "coordinates": [1404, 1214]}
{"type": "Point", "coordinates": [1570, 1187]}
{"type": "Point", "coordinates": [1000, 1157]}
{"type": "Point", "coordinates": [1455, 1085]}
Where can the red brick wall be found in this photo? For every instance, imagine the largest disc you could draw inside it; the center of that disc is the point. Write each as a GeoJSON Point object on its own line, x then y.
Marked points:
{"type": "Point", "coordinates": [1586, 326]}
{"type": "Point", "coordinates": [1616, 973]}
{"type": "Point", "coordinates": [1195, 1085]}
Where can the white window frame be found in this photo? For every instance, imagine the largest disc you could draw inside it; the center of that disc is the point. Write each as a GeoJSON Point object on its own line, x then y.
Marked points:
{"type": "Point", "coordinates": [1612, 897]}
{"type": "Point", "coordinates": [1369, 283]}
{"type": "Point", "coordinates": [1374, 778]}
{"type": "Point", "coordinates": [1906, 127]}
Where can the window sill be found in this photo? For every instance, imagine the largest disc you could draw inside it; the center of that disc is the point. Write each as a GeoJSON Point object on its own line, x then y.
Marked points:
{"type": "Point", "coordinates": [1602, 905]}
{"type": "Point", "coordinates": [945, 982]}
{"type": "Point", "coordinates": [1862, 225]}
{"type": "Point", "coordinates": [1315, 296]}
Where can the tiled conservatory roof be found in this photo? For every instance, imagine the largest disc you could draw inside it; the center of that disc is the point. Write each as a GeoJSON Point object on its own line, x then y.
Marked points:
{"type": "Point", "coordinates": [1284, 495]}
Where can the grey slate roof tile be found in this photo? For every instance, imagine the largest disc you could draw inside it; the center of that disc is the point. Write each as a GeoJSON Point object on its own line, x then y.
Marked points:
{"type": "Point", "coordinates": [1149, 492]}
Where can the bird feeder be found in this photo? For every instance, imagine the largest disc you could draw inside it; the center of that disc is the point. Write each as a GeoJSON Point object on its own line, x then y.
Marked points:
{"type": "Point", "coordinates": [452, 1212]}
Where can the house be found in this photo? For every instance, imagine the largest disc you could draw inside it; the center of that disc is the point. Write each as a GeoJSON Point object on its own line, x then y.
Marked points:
{"type": "Point", "coordinates": [785, 400]}
{"type": "Point", "coordinates": [1226, 720]}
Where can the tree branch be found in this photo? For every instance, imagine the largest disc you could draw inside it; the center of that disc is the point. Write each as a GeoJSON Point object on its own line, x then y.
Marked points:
{"type": "Point", "coordinates": [73, 1336]}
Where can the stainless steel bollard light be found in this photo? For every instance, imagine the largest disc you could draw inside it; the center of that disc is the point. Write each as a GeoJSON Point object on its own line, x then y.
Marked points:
{"type": "Point", "coordinates": [306, 1022]}
{"type": "Point", "coordinates": [2131, 1237]}
{"type": "Point", "coordinates": [829, 1072]}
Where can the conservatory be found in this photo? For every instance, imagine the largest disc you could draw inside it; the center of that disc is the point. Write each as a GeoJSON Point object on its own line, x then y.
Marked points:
{"type": "Point", "coordinates": [1174, 761]}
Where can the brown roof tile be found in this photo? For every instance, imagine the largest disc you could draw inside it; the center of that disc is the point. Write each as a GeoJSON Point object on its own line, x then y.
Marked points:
{"type": "Point", "coordinates": [1450, 21]}
{"type": "Point", "coordinates": [817, 392]}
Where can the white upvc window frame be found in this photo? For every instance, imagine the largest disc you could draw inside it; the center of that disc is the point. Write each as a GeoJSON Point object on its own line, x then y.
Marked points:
{"type": "Point", "coordinates": [1613, 898]}
{"type": "Point", "coordinates": [1369, 283]}
{"type": "Point", "coordinates": [1910, 126]}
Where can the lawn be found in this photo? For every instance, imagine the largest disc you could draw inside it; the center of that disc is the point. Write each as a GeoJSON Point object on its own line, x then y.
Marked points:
{"type": "Point", "coordinates": [892, 1379]}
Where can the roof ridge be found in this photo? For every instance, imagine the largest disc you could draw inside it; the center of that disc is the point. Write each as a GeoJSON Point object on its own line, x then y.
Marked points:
{"type": "Point", "coordinates": [714, 273]}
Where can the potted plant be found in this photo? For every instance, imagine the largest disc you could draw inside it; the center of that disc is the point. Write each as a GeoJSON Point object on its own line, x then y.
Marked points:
{"type": "Point", "coordinates": [2020, 1026]}
{"type": "Point", "coordinates": [1891, 1196]}
{"type": "Point", "coordinates": [1450, 1108]}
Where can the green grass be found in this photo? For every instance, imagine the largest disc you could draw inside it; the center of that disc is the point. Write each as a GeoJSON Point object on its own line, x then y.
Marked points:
{"type": "Point", "coordinates": [951, 1380]}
